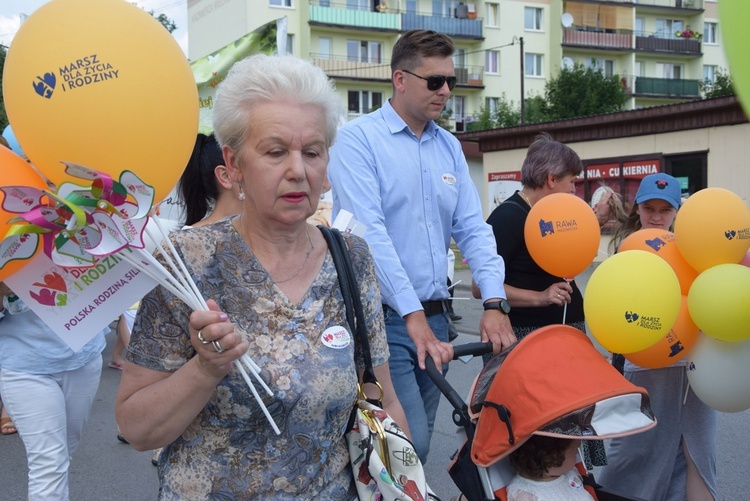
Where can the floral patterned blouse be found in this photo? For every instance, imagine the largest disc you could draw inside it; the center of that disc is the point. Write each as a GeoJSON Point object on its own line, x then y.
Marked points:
{"type": "Point", "coordinates": [230, 451]}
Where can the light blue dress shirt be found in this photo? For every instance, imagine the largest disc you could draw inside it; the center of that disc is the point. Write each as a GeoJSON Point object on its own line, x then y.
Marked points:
{"type": "Point", "coordinates": [28, 345]}
{"type": "Point", "coordinates": [412, 194]}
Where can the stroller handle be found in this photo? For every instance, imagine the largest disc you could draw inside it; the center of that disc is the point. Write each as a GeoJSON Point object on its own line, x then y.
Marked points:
{"type": "Point", "coordinates": [474, 349]}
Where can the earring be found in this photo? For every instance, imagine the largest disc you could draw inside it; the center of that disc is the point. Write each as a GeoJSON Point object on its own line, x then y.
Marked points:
{"type": "Point", "coordinates": [241, 196]}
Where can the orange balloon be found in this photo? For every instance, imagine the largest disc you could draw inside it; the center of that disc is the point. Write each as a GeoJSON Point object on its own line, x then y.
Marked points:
{"type": "Point", "coordinates": [562, 234]}
{"type": "Point", "coordinates": [713, 228]}
{"type": "Point", "coordinates": [671, 348]}
{"type": "Point", "coordinates": [15, 171]}
{"type": "Point", "coordinates": [663, 244]}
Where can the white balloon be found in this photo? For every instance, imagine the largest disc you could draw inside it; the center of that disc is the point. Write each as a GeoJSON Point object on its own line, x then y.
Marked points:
{"type": "Point", "coordinates": [719, 373]}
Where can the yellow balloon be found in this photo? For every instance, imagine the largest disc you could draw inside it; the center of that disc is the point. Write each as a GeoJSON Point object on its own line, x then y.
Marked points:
{"type": "Point", "coordinates": [671, 348]}
{"type": "Point", "coordinates": [631, 301]}
{"type": "Point", "coordinates": [712, 227]}
{"type": "Point", "coordinates": [719, 302]}
{"type": "Point", "coordinates": [734, 15]}
{"type": "Point", "coordinates": [101, 84]}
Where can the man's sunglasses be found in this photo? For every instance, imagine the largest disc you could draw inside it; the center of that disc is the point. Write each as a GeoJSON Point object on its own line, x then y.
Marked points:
{"type": "Point", "coordinates": [435, 82]}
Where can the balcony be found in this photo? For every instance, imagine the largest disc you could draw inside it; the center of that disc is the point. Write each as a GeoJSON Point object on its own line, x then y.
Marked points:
{"type": "Point", "coordinates": [666, 87]}
{"type": "Point", "coordinates": [457, 27]}
{"type": "Point", "coordinates": [598, 39]}
{"type": "Point", "coordinates": [345, 67]}
{"type": "Point", "coordinates": [353, 15]}
{"type": "Point", "coordinates": [667, 42]}
{"type": "Point", "coordinates": [670, 4]}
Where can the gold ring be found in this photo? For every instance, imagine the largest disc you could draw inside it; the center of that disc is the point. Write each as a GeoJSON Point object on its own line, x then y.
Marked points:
{"type": "Point", "coordinates": [201, 338]}
{"type": "Point", "coordinates": [217, 347]}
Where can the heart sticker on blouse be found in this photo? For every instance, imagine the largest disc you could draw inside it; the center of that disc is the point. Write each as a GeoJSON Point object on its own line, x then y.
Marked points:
{"type": "Point", "coordinates": [336, 337]}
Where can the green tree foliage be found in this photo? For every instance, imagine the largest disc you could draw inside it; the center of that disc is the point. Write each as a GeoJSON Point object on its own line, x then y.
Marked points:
{"type": "Point", "coordinates": [537, 110]}
{"type": "Point", "coordinates": [721, 86]}
{"type": "Point", "coordinates": [581, 91]}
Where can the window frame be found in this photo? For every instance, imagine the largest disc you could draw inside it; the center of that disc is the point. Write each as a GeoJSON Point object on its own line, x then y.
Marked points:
{"type": "Point", "coordinates": [537, 19]}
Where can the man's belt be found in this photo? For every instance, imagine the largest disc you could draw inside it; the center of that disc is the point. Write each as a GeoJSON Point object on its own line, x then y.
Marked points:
{"type": "Point", "coordinates": [434, 307]}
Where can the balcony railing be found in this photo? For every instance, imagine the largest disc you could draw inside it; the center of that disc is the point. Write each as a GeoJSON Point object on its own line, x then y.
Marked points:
{"type": "Point", "coordinates": [343, 67]}
{"type": "Point", "coordinates": [451, 26]}
{"type": "Point", "coordinates": [676, 4]}
{"type": "Point", "coordinates": [667, 42]}
{"type": "Point", "coordinates": [611, 39]}
{"type": "Point", "coordinates": [353, 15]}
{"type": "Point", "coordinates": [349, 68]}
{"type": "Point", "coordinates": [370, 14]}
{"type": "Point", "coordinates": [667, 87]}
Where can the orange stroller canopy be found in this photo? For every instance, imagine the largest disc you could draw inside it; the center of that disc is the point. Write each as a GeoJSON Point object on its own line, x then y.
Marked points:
{"type": "Point", "coordinates": [553, 382]}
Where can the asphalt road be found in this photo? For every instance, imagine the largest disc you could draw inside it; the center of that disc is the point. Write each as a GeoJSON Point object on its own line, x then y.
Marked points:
{"type": "Point", "coordinates": [104, 469]}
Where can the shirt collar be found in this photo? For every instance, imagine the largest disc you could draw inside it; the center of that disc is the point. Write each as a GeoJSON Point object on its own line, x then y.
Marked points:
{"type": "Point", "coordinates": [396, 124]}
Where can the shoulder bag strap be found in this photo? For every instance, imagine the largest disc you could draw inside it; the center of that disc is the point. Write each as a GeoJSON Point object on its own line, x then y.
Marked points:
{"type": "Point", "coordinates": [350, 291]}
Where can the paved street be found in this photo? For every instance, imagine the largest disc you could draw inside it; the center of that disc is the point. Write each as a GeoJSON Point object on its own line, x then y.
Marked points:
{"type": "Point", "coordinates": [104, 469]}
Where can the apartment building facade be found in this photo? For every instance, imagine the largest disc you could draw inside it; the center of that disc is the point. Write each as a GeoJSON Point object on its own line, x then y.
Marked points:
{"type": "Point", "coordinates": [661, 49]}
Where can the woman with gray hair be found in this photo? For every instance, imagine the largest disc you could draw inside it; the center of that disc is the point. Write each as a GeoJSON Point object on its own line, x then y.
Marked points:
{"type": "Point", "coordinates": [275, 296]}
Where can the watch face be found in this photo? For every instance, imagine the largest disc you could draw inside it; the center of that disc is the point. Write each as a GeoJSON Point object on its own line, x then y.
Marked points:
{"type": "Point", "coordinates": [501, 305]}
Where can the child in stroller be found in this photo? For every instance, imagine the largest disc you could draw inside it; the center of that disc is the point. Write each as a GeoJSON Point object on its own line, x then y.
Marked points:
{"type": "Point", "coordinates": [555, 383]}
{"type": "Point", "coordinates": [546, 470]}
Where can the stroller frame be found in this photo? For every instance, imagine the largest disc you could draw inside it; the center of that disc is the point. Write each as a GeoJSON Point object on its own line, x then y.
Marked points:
{"type": "Point", "coordinates": [482, 489]}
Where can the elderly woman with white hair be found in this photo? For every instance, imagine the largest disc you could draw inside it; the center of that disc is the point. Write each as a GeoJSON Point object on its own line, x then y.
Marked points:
{"type": "Point", "coordinates": [274, 292]}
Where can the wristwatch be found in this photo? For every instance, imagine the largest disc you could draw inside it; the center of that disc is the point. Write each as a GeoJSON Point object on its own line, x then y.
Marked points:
{"type": "Point", "coordinates": [501, 305]}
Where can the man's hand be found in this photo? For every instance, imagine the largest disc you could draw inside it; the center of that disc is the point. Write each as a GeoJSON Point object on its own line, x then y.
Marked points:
{"type": "Point", "coordinates": [425, 340]}
{"type": "Point", "coordinates": [495, 327]}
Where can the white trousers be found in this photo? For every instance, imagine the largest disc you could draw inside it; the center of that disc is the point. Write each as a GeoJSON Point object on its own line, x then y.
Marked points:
{"type": "Point", "coordinates": [50, 411]}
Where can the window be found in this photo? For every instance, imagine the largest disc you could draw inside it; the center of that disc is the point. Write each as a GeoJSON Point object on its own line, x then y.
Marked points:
{"type": "Point", "coordinates": [709, 33]}
{"type": "Point", "coordinates": [358, 5]}
{"type": "Point", "coordinates": [492, 12]}
{"type": "Point", "coordinates": [364, 51]}
{"type": "Point", "coordinates": [607, 66]}
{"type": "Point", "coordinates": [533, 65]}
{"type": "Point", "coordinates": [639, 27]}
{"type": "Point", "coordinates": [492, 104]}
{"type": "Point", "coordinates": [325, 48]}
{"type": "Point", "coordinates": [640, 69]}
{"type": "Point", "coordinates": [363, 101]}
{"type": "Point", "coordinates": [411, 6]}
{"type": "Point", "coordinates": [669, 70]}
{"type": "Point", "coordinates": [456, 105]}
{"type": "Point", "coordinates": [290, 44]}
{"type": "Point", "coordinates": [459, 58]}
{"type": "Point", "coordinates": [667, 28]}
{"type": "Point", "coordinates": [532, 18]}
{"type": "Point", "coordinates": [491, 62]}
{"type": "Point", "coordinates": [442, 8]}
{"type": "Point", "coordinates": [709, 73]}
{"type": "Point", "coordinates": [280, 3]}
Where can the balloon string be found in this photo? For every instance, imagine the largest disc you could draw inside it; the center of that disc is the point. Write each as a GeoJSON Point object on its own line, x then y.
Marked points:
{"type": "Point", "coordinates": [174, 260]}
{"type": "Point", "coordinates": [565, 306]}
{"type": "Point", "coordinates": [687, 390]}
{"type": "Point", "coordinates": [188, 282]}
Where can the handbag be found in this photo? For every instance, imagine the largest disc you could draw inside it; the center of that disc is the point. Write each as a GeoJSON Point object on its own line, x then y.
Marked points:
{"type": "Point", "coordinates": [383, 460]}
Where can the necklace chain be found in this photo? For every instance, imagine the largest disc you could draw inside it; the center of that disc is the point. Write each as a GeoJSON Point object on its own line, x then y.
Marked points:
{"type": "Point", "coordinates": [302, 266]}
{"type": "Point", "coordinates": [525, 197]}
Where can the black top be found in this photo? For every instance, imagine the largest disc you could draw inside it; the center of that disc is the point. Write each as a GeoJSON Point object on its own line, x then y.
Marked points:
{"type": "Point", "coordinates": [507, 221]}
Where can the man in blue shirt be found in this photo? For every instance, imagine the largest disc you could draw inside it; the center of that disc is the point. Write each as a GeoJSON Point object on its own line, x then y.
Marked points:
{"type": "Point", "coordinates": [406, 179]}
